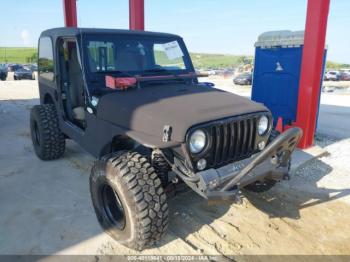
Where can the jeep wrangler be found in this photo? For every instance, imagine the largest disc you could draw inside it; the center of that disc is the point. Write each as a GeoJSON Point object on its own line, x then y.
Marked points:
{"type": "Point", "coordinates": [132, 99]}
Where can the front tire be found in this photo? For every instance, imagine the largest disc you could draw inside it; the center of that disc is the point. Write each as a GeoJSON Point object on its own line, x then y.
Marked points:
{"type": "Point", "coordinates": [129, 200]}
{"type": "Point", "coordinates": [48, 140]}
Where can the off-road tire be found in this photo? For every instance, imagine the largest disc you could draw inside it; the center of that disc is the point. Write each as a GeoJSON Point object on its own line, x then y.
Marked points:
{"type": "Point", "coordinates": [266, 185]}
{"type": "Point", "coordinates": [140, 195]}
{"type": "Point", "coordinates": [48, 140]}
{"type": "Point", "coordinates": [161, 167]}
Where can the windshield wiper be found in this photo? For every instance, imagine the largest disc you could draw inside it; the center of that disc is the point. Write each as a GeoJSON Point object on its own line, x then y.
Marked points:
{"type": "Point", "coordinates": [170, 77]}
{"type": "Point", "coordinates": [159, 70]}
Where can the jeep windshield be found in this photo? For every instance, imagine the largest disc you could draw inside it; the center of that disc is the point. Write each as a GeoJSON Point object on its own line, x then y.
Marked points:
{"type": "Point", "coordinates": [135, 55]}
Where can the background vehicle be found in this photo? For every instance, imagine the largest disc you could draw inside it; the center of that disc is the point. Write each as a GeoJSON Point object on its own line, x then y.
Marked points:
{"type": "Point", "coordinates": [344, 76]}
{"type": "Point", "coordinates": [14, 67]}
{"type": "Point", "coordinates": [210, 72]}
{"type": "Point", "coordinates": [32, 67]}
{"type": "Point", "coordinates": [23, 73]}
{"type": "Point", "coordinates": [135, 103]}
{"type": "Point", "coordinates": [332, 76]}
{"type": "Point", "coordinates": [243, 79]}
{"type": "Point", "coordinates": [3, 72]}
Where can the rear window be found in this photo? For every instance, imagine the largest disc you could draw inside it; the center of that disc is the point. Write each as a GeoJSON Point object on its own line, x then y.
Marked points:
{"type": "Point", "coordinates": [46, 67]}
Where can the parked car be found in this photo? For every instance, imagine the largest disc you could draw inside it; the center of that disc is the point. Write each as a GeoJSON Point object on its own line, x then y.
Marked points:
{"type": "Point", "coordinates": [344, 76]}
{"type": "Point", "coordinates": [3, 72]}
{"type": "Point", "coordinates": [211, 72]}
{"type": "Point", "coordinates": [14, 67]}
{"type": "Point", "coordinates": [345, 70]}
{"type": "Point", "coordinates": [32, 67]}
{"type": "Point", "coordinates": [332, 76]}
{"type": "Point", "coordinates": [24, 73]}
{"type": "Point", "coordinates": [243, 79]}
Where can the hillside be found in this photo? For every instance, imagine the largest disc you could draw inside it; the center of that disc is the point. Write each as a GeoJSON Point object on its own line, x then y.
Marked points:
{"type": "Point", "coordinates": [206, 61]}
{"type": "Point", "coordinates": [200, 60]}
{"type": "Point", "coordinates": [20, 55]}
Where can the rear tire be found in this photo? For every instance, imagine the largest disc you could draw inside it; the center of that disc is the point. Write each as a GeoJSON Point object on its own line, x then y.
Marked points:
{"type": "Point", "coordinates": [48, 140]}
{"type": "Point", "coordinates": [129, 200]}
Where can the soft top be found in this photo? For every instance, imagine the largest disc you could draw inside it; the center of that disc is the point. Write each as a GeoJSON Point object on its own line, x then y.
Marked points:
{"type": "Point", "coordinates": [76, 31]}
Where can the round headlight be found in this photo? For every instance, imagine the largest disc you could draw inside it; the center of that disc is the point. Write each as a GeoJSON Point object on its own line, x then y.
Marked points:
{"type": "Point", "coordinates": [197, 141]}
{"type": "Point", "coordinates": [263, 125]}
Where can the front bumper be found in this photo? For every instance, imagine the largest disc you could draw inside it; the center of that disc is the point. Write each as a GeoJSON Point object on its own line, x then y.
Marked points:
{"type": "Point", "coordinates": [224, 183]}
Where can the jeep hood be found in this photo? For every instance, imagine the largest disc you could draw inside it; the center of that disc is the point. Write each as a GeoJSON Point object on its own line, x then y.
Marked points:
{"type": "Point", "coordinates": [144, 112]}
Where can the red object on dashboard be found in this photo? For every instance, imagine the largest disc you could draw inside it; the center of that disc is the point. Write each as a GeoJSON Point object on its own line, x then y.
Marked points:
{"type": "Point", "coordinates": [120, 83]}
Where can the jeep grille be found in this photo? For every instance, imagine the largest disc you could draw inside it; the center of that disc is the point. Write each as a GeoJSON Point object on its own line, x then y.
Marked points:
{"type": "Point", "coordinates": [230, 140]}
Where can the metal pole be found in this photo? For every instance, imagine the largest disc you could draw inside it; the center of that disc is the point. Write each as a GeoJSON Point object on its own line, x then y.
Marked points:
{"type": "Point", "coordinates": [136, 15]}
{"type": "Point", "coordinates": [311, 69]}
{"type": "Point", "coordinates": [70, 13]}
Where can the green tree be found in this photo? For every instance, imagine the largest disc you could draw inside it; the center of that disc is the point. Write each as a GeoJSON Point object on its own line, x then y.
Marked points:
{"type": "Point", "coordinates": [33, 58]}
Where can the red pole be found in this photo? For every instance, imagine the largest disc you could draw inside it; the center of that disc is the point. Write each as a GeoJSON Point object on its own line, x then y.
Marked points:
{"type": "Point", "coordinates": [70, 13]}
{"type": "Point", "coordinates": [311, 69]}
{"type": "Point", "coordinates": [136, 15]}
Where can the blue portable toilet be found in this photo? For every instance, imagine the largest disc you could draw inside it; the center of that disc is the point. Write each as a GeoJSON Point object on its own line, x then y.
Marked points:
{"type": "Point", "coordinates": [277, 68]}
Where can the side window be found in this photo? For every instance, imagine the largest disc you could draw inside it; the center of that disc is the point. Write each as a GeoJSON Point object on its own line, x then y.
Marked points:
{"type": "Point", "coordinates": [169, 56]}
{"type": "Point", "coordinates": [45, 63]}
{"type": "Point", "coordinates": [101, 56]}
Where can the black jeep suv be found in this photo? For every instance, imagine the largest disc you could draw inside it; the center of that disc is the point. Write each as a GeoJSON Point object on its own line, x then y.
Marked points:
{"type": "Point", "coordinates": [132, 99]}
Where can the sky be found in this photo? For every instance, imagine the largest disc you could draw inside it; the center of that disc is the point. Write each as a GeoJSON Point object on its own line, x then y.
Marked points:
{"type": "Point", "coordinates": [211, 26]}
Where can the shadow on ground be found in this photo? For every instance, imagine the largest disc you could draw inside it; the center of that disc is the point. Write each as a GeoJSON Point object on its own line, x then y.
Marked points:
{"type": "Point", "coordinates": [287, 199]}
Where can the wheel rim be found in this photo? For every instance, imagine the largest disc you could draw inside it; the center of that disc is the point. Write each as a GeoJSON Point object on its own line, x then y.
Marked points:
{"type": "Point", "coordinates": [113, 207]}
{"type": "Point", "coordinates": [36, 133]}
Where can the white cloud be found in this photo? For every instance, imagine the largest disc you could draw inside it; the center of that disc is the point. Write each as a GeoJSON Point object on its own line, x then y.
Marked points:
{"type": "Point", "coordinates": [25, 36]}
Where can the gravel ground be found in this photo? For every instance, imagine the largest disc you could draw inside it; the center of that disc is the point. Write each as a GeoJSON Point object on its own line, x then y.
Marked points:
{"type": "Point", "coordinates": [46, 209]}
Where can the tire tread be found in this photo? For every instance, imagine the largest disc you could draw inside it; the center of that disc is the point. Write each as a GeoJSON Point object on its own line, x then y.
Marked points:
{"type": "Point", "coordinates": [53, 141]}
{"type": "Point", "coordinates": [147, 194]}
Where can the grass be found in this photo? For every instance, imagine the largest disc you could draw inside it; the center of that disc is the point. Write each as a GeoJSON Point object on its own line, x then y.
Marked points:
{"type": "Point", "coordinates": [19, 55]}
{"type": "Point", "coordinates": [23, 55]}
{"type": "Point", "coordinates": [336, 66]}
{"type": "Point", "coordinates": [206, 61]}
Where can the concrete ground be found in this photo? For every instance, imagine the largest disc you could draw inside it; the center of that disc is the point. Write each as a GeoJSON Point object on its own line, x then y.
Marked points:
{"type": "Point", "coordinates": [45, 207]}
